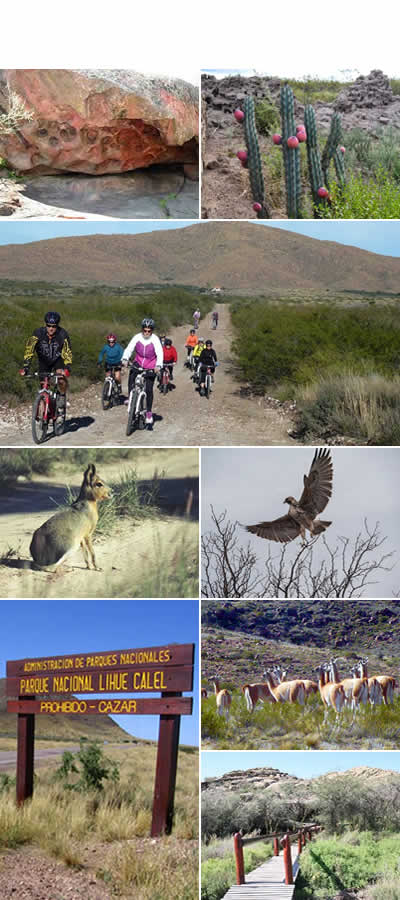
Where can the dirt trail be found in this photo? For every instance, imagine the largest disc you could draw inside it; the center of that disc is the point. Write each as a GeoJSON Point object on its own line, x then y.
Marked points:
{"type": "Point", "coordinates": [180, 418]}
{"type": "Point", "coordinates": [136, 559]}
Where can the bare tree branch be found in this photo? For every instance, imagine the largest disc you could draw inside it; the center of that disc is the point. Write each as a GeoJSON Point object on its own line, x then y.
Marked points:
{"type": "Point", "coordinates": [348, 569]}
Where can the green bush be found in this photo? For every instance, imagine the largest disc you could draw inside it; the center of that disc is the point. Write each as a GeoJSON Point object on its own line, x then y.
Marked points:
{"type": "Point", "coordinates": [300, 344]}
{"type": "Point", "coordinates": [330, 864]}
{"type": "Point", "coordinates": [217, 875]}
{"type": "Point", "coordinates": [376, 198]}
{"type": "Point", "coordinates": [267, 116]}
{"type": "Point", "coordinates": [88, 768]}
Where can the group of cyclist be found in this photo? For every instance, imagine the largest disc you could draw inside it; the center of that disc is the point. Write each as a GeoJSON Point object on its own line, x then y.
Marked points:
{"type": "Point", "coordinates": [203, 357]}
{"type": "Point", "coordinates": [148, 353]}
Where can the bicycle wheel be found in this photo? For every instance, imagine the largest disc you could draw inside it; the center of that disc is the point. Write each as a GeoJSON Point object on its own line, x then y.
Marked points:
{"type": "Point", "coordinates": [131, 412]}
{"type": "Point", "coordinates": [142, 411]}
{"type": "Point", "coordinates": [39, 423]}
{"type": "Point", "coordinates": [106, 397]}
{"type": "Point", "coordinates": [165, 387]}
{"type": "Point", "coordinates": [207, 385]}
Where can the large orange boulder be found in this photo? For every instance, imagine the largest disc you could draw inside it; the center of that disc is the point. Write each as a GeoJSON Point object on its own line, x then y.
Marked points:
{"type": "Point", "coordinates": [96, 121]}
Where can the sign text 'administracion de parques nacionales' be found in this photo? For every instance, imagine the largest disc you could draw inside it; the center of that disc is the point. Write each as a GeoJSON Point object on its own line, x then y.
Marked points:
{"type": "Point", "coordinates": [39, 684]}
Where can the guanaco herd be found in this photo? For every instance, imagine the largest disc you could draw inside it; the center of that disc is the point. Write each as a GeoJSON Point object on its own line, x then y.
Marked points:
{"type": "Point", "coordinates": [336, 693]}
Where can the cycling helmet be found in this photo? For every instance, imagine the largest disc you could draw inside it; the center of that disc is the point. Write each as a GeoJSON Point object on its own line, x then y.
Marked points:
{"type": "Point", "coordinates": [148, 323]}
{"type": "Point", "coordinates": [52, 318]}
{"type": "Point", "coordinates": [201, 340]}
{"type": "Point", "coordinates": [168, 342]}
{"type": "Point", "coordinates": [111, 337]}
{"type": "Point", "coordinates": [208, 343]}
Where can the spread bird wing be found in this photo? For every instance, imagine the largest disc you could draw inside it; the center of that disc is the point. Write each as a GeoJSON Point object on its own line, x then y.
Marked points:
{"type": "Point", "coordinates": [317, 484]}
{"type": "Point", "coordinates": [282, 530]}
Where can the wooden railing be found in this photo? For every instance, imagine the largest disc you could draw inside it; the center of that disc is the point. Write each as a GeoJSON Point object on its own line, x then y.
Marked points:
{"type": "Point", "coordinates": [303, 835]}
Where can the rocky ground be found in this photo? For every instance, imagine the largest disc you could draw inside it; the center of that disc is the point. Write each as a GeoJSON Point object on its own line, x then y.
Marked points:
{"type": "Point", "coordinates": [368, 103]}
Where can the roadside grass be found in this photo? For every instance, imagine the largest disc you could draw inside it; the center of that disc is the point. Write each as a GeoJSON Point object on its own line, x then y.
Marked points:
{"type": "Point", "coordinates": [364, 407]}
{"type": "Point", "coordinates": [339, 362]}
{"type": "Point", "coordinates": [292, 727]}
{"type": "Point", "coordinates": [376, 198]}
{"type": "Point", "coordinates": [64, 823]}
{"type": "Point", "coordinates": [22, 463]}
{"type": "Point", "coordinates": [332, 864]}
{"type": "Point", "coordinates": [218, 865]}
{"type": "Point", "coordinates": [88, 315]}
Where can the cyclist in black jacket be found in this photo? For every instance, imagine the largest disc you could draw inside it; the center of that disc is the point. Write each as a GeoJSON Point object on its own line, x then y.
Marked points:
{"type": "Point", "coordinates": [207, 360]}
{"type": "Point", "coordinates": [52, 345]}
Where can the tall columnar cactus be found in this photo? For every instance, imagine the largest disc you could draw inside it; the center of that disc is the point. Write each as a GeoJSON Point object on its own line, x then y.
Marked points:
{"type": "Point", "coordinates": [290, 139]}
{"type": "Point", "coordinates": [334, 138]}
{"type": "Point", "coordinates": [291, 154]}
{"type": "Point", "coordinates": [253, 161]}
{"type": "Point", "coordinates": [314, 158]}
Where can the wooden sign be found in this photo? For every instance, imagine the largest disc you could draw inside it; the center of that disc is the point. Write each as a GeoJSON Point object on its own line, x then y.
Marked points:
{"type": "Point", "coordinates": [127, 681]}
{"type": "Point", "coordinates": [177, 706]}
{"type": "Point", "coordinates": [144, 657]}
{"type": "Point", "coordinates": [167, 670]}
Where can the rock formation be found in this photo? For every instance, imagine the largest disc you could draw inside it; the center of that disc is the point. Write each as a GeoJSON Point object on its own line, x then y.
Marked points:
{"type": "Point", "coordinates": [97, 121]}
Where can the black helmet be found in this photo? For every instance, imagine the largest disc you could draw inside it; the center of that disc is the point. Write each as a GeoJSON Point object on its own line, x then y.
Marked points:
{"type": "Point", "coordinates": [148, 323]}
{"type": "Point", "coordinates": [168, 342]}
{"type": "Point", "coordinates": [52, 318]}
{"type": "Point", "coordinates": [208, 343]}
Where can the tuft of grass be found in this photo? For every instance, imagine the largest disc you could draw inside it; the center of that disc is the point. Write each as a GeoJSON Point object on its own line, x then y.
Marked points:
{"type": "Point", "coordinates": [364, 407]}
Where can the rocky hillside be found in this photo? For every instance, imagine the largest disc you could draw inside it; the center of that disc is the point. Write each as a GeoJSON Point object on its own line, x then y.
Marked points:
{"type": "Point", "coordinates": [264, 778]}
{"type": "Point", "coordinates": [314, 622]}
{"type": "Point", "coordinates": [241, 257]}
{"type": "Point", "coordinates": [241, 638]}
{"type": "Point", "coordinates": [366, 103]}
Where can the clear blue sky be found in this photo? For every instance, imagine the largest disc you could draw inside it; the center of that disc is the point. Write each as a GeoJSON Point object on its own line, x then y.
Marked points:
{"type": "Point", "coordinates": [50, 627]}
{"type": "Point", "coordinates": [378, 237]}
{"type": "Point", "coordinates": [309, 764]}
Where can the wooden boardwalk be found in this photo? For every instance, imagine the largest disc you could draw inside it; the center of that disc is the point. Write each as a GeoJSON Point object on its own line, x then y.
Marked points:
{"type": "Point", "coordinates": [267, 882]}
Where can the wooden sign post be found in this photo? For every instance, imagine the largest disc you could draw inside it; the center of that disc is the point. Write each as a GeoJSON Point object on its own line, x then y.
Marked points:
{"type": "Point", "coordinates": [41, 683]}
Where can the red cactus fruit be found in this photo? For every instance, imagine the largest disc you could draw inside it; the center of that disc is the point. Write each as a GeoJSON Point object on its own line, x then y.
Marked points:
{"type": "Point", "coordinates": [292, 142]}
{"type": "Point", "coordinates": [301, 135]}
{"type": "Point", "coordinates": [239, 115]}
{"type": "Point", "coordinates": [276, 139]}
{"type": "Point", "coordinates": [342, 149]}
{"type": "Point", "coordinates": [242, 154]}
{"type": "Point", "coordinates": [257, 207]}
{"type": "Point", "coordinates": [322, 192]}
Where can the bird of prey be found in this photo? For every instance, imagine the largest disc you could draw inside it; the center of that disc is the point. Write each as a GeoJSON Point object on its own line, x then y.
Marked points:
{"type": "Point", "coordinates": [302, 513]}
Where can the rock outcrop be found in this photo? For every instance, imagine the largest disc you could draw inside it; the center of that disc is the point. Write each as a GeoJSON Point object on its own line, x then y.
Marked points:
{"type": "Point", "coordinates": [97, 121]}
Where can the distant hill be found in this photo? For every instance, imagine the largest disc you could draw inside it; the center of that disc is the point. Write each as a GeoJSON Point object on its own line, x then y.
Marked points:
{"type": "Point", "coordinates": [262, 778]}
{"type": "Point", "coordinates": [239, 256]}
{"type": "Point", "coordinates": [62, 727]}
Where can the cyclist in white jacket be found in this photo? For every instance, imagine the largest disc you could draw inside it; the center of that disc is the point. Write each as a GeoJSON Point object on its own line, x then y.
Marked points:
{"type": "Point", "coordinates": [145, 349]}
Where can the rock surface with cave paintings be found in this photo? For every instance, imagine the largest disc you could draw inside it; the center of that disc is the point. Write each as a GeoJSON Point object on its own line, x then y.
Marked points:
{"type": "Point", "coordinates": [96, 122]}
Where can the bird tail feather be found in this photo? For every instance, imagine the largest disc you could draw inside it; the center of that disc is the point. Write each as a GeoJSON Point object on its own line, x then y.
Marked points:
{"type": "Point", "coordinates": [320, 525]}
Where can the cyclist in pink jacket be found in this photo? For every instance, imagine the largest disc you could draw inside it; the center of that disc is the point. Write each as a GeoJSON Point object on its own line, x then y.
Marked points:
{"type": "Point", "coordinates": [146, 352]}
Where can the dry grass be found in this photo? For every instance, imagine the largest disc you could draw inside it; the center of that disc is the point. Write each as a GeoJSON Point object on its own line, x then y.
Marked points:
{"type": "Point", "coordinates": [66, 824]}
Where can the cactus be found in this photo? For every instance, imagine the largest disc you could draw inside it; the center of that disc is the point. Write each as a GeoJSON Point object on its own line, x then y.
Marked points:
{"type": "Point", "coordinates": [291, 154]}
{"type": "Point", "coordinates": [313, 157]}
{"type": "Point", "coordinates": [334, 138]}
{"type": "Point", "coordinates": [253, 161]}
{"type": "Point", "coordinates": [318, 166]}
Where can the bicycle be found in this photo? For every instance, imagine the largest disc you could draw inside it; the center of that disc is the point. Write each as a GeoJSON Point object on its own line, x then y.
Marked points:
{"type": "Point", "coordinates": [207, 382]}
{"type": "Point", "coordinates": [164, 378]}
{"type": "Point", "coordinates": [111, 389]}
{"type": "Point", "coordinates": [137, 402]}
{"type": "Point", "coordinates": [45, 408]}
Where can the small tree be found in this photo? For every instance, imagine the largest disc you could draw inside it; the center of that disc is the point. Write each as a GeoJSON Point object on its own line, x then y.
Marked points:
{"type": "Point", "coordinates": [348, 569]}
{"type": "Point", "coordinates": [94, 768]}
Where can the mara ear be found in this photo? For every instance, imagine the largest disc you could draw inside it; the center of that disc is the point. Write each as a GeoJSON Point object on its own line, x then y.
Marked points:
{"type": "Point", "coordinates": [90, 472]}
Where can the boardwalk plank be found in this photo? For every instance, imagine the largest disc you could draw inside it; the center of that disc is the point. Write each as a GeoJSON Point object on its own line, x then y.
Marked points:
{"type": "Point", "coordinates": [267, 881]}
